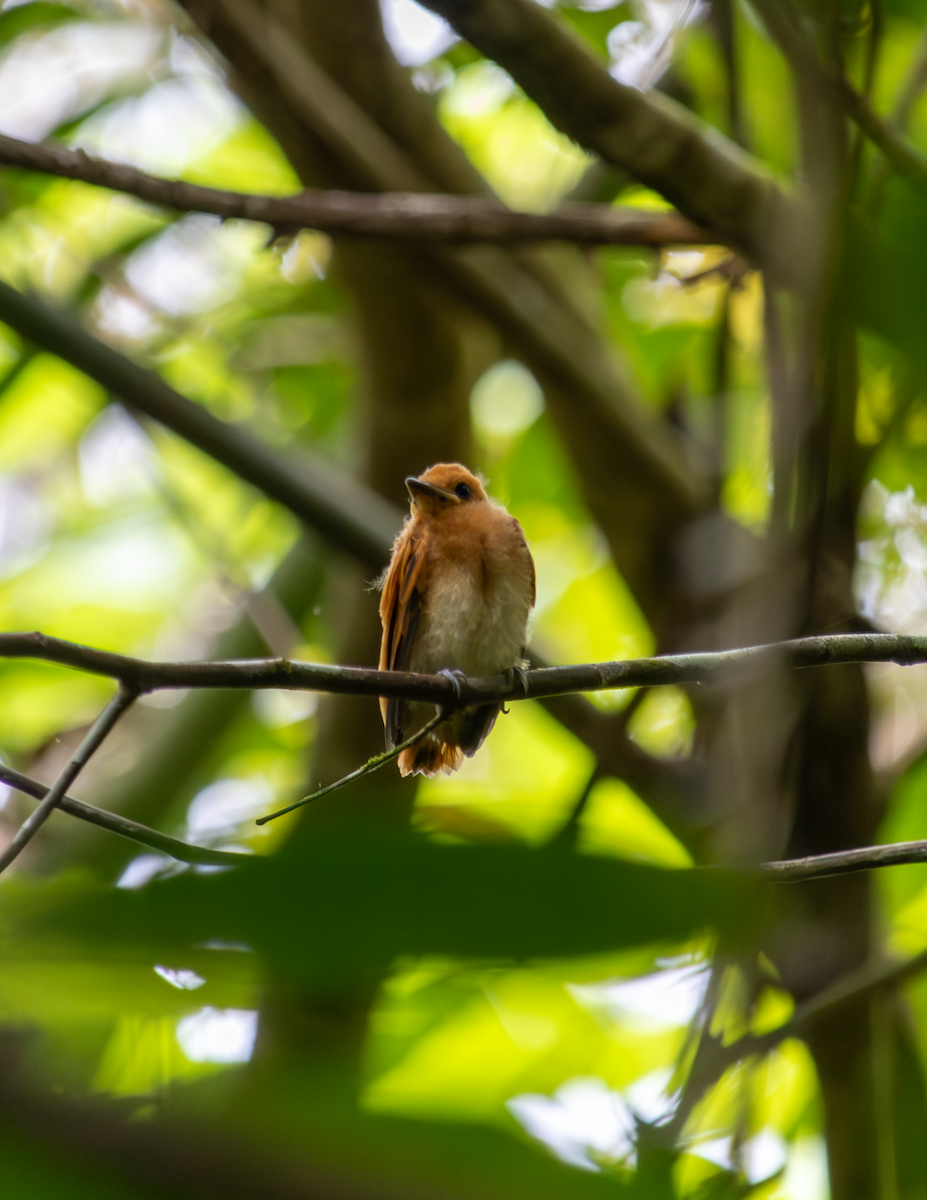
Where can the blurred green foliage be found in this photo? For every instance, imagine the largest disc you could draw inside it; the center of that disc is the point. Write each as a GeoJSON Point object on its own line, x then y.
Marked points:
{"type": "Point", "coordinates": [523, 991]}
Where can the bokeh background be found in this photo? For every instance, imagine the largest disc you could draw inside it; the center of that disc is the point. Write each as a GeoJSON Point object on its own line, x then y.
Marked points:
{"type": "Point", "coordinates": [441, 1073]}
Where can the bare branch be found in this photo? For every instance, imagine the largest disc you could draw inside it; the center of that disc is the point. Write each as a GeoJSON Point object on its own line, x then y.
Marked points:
{"type": "Point", "coordinates": [785, 27]}
{"type": "Point", "coordinates": [903, 155]}
{"type": "Point", "coordinates": [555, 337]}
{"type": "Point", "coordinates": [353, 517]}
{"type": "Point", "coordinates": [791, 871]}
{"type": "Point", "coordinates": [132, 830]}
{"type": "Point", "coordinates": [845, 862]}
{"type": "Point", "coordinates": [101, 728]}
{"type": "Point", "coordinates": [137, 676]}
{"type": "Point", "coordinates": [371, 765]}
{"type": "Point", "coordinates": [796, 870]}
{"type": "Point", "coordinates": [709, 178]}
{"type": "Point", "coordinates": [710, 667]}
{"type": "Point", "coordinates": [406, 216]}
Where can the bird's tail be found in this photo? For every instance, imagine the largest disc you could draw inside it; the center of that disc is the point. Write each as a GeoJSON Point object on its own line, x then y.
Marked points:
{"type": "Point", "coordinates": [445, 748]}
{"type": "Point", "coordinates": [430, 756]}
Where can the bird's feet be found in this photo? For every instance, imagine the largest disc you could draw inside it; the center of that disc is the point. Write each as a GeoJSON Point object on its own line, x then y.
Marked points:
{"type": "Point", "coordinates": [521, 675]}
{"type": "Point", "coordinates": [456, 678]}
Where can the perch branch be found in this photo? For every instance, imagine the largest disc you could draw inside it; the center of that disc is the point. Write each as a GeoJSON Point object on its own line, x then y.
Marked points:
{"type": "Point", "coordinates": [137, 676]}
{"type": "Point", "coordinates": [710, 667]}
{"type": "Point", "coordinates": [407, 216]}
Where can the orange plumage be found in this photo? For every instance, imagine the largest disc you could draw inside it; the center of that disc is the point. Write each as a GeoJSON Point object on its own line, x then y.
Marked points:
{"type": "Point", "coordinates": [456, 596]}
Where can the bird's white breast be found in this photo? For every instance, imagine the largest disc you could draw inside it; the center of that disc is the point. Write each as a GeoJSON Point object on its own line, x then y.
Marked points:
{"type": "Point", "coordinates": [471, 625]}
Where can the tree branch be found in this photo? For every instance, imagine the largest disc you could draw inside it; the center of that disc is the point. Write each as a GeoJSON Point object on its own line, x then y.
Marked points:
{"type": "Point", "coordinates": [142, 676]}
{"type": "Point", "coordinates": [785, 27]}
{"type": "Point", "coordinates": [707, 177]}
{"type": "Point", "coordinates": [371, 765]}
{"type": "Point", "coordinates": [354, 518]}
{"type": "Point", "coordinates": [406, 216]}
{"type": "Point", "coordinates": [133, 830]}
{"type": "Point", "coordinates": [903, 155]}
{"type": "Point", "coordinates": [555, 339]}
{"type": "Point", "coordinates": [98, 733]}
{"type": "Point", "coordinates": [796, 870]}
{"type": "Point", "coordinates": [858, 984]}
{"type": "Point", "coordinates": [845, 862]}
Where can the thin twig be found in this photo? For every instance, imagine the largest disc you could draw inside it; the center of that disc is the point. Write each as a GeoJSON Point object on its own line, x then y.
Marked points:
{"type": "Point", "coordinates": [406, 216]}
{"type": "Point", "coordinates": [136, 832]}
{"type": "Point", "coordinates": [904, 156]}
{"type": "Point", "coordinates": [796, 870]}
{"type": "Point", "coordinates": [844, 862]}
{"type": "Point", "coordinates": [103, 726]}
{"type": "Point", "coordinates": [855, 985]}
{"type": "Point", "coordinates": [371, 765]}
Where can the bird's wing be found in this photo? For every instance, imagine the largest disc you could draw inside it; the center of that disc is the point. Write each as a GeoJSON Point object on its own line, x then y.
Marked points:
{"type": "Point", "coordinates": [524, 544]}
{"type": "Point", "coordinates": [400, 606]}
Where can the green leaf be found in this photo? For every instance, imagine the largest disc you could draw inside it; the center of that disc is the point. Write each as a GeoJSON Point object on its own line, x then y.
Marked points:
{"type": "Point", "coordinates": [343, 908]}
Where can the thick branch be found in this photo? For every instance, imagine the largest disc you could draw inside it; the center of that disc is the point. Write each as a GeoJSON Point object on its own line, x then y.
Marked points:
{"type": "Point", "coordinates": [707, 177]}
{"type": "Point", "coordinates": [714, 667]}
{"type": "Point", "coordinates": [407, 216]}
{"type": "Point", "coordinates": [555, 338]}
{"type": "Point", "coordinates": [352, 516]}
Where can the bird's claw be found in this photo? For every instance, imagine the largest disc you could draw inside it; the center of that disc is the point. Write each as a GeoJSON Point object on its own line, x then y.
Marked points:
{"type": "Point", "coordinates": [456, 678]}
{"type": "Point", "coordinates": [521, 675]}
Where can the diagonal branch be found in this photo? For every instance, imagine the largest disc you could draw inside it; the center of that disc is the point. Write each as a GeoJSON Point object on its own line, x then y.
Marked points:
{"type": "Point", "coordinates": [554, 338]}
{"type": "Point", "coordinates": [371, 765]}
{"type": "Point", "coordinates": [785, 27]}
{"type": "Point", "coordinates": [101, 728]}
{"type": "Point", "coordinates": [406, 216]}
{"type": "Point", "coordinates": [351, 516]}
{"type": "Point", "coordinates": [707, 177]}
{"type": "Point", "coordinates": [820, 866]}
{"type": "Point", "coordinates": [133, 830]}
{"type": "Point", "coordinates": [903, 155]}
{"type": "Point", "coordinates": [859, 984]}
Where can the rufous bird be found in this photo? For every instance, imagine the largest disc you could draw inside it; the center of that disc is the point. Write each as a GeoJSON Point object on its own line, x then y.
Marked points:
{"type": "Point", "coordinates": [456, 599]}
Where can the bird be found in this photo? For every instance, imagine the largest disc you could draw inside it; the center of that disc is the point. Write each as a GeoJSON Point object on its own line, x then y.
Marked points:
{"type": "Point", "coordinates": [456, 598]}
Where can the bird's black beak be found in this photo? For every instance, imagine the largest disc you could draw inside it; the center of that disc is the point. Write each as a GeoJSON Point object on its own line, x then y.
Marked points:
{"type": "Point", "coordinates": [418, 488]}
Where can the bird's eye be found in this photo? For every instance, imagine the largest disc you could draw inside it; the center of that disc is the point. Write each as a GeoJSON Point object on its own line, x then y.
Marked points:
{"type": "Point", "coordinates": [462, 491]}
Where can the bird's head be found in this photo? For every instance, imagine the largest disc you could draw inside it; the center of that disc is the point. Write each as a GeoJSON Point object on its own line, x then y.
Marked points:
{"type": "Point", "coordinates": [443, 488]}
